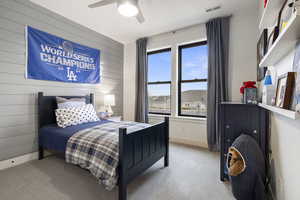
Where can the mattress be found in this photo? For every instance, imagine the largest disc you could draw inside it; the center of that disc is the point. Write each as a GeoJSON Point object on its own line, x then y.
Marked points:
{"type": "Point", "coordinates": [56, 138]}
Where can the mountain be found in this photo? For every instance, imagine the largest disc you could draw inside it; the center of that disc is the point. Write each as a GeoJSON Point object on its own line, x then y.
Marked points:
{"type": "Point", "coordinates": [194, 96]}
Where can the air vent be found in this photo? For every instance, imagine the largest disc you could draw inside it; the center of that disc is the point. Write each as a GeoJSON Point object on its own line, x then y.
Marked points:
{"type": "Point", "coordinates": [213, 9]}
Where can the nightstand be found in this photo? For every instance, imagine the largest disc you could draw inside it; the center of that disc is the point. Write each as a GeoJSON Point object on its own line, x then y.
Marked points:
{"type": "Point", "coordinates": [115, 118]}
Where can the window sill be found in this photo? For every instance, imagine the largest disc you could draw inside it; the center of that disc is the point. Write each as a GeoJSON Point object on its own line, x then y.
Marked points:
{"type": "Point", "coordinates": [179, 118]}
{"type": "Point", "coordinates": [192, 118]}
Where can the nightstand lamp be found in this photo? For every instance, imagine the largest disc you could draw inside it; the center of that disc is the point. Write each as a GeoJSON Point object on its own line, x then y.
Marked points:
{"type": "Point", "coordinates": [109, 100]}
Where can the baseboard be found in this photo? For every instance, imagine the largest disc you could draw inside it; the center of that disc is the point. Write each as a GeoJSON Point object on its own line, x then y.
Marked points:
{"type": "Point", "coordinates": [188, 142]}
{"type": "Point", "coordinates": [18, 160]}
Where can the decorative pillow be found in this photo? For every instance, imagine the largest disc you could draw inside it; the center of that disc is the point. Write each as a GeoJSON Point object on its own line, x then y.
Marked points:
{"type": "Point", "coordinates": [69, 103]}
{"type": "Point", "coordinates": [77, 115]}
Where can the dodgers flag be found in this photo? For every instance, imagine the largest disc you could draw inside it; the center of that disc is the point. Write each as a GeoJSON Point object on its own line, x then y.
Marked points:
{"type": "Point", "coordinates": [55, 59]}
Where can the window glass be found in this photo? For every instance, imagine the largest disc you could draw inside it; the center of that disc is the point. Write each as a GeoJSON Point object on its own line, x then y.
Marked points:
{"type": "Point", "coordinates": [159, 81]}
{"type": "Point", "coordinates": [159, 96]}
{"type": "Point", "coordinates": [193, 70]}
{"type": "Point", "coordinates": [194, 62]}
{"type": "Point", "coordinates": [159, 66]}
{"type": "Point", "coordinates": [194, 98]}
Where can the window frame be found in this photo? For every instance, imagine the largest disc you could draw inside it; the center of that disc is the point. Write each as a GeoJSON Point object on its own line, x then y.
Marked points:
{"type": "Point", "coordinates": [161, 82]}
{"type": "Point", "coordinates": [180, 81]}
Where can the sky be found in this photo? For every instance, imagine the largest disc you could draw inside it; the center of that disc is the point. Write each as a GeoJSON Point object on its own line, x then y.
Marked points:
{"type": "Point", "coordinates": [194, 65]}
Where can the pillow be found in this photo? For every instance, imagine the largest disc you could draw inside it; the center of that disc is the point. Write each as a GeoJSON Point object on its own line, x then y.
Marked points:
{"type": "Point", "coordinates": [77, 115]}
{"type": "Point", "coordinates": [70, 103]}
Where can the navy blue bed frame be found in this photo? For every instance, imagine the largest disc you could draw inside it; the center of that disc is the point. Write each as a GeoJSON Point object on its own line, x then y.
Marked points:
{"type": "Point", "coordinates": [138, 150]}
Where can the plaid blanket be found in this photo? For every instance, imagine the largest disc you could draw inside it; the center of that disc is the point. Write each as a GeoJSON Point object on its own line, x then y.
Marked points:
{"type": "Point", "coordinates": [97, 150]}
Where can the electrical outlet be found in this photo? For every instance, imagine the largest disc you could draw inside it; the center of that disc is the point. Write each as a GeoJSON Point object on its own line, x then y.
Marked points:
{"type": "Point", "coordinates": [18, 160]}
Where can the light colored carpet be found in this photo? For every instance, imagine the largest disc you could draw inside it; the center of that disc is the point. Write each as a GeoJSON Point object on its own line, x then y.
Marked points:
{"type": "Point", "coordinates": [193, 174]}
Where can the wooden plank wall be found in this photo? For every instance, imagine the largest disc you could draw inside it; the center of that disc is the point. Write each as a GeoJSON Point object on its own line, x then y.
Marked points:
{"type": "Point", "coordinates": [18, 96]}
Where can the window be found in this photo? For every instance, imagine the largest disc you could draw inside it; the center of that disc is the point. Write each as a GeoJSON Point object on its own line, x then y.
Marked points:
{"type": "Point", "coordinates": [192, 81]}
{"type": "Point", "coordinates": [159, 82]}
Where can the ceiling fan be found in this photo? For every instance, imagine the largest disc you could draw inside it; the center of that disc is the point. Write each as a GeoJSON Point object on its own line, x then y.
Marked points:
{"type": "Point", "coordinates": [127, 8]}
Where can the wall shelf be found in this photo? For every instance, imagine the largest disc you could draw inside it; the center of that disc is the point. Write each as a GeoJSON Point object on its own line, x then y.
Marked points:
{"type": "Point", "coordinates": [287, 113]}
{"type": "Point", "coordinates": [270, 14]}
{"type": "Point", "coordinates": [285, 42]}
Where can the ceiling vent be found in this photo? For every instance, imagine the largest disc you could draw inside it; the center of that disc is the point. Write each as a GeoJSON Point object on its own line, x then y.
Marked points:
{"type": "Point", "coordinates": [213, 9]}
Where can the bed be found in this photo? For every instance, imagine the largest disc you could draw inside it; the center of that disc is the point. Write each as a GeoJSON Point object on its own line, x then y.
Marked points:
{"type": "Point", "coordinates": [137, 151]}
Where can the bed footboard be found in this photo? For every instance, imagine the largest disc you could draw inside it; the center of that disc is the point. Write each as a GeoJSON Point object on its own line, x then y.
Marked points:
{"type": "Point", "coordinates": [140, 150]}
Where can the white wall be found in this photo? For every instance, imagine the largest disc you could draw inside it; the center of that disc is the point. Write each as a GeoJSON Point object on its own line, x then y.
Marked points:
{"type": "Point", "coordinates": [242, 55]}
{"type": "Point", "coordinates": [242, 48]}
{"type": "Point", "coordinates": [285, 142]}
{"type": "Point", "coordinates": [285, 145]}
{"type": "Point", "coordinates": [185, 130]}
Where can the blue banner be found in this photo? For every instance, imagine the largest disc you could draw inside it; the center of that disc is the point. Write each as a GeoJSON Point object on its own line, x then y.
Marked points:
{"type": "Point", "coordinates": [55, 59]}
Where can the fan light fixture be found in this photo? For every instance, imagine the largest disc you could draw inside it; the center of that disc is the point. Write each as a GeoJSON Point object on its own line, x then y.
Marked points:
{"type": "Point", "coordinates": [128, 8]}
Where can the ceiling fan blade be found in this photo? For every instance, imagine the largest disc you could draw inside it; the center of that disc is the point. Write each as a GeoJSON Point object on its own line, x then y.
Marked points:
{"type": "Point", "coordinates": [102, 3]}
{"type": "Point", "coordinates": [140, 17]}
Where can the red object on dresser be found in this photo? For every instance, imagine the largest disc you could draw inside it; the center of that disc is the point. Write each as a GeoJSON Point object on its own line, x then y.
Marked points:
{"type": "Point", "coordinates": [248, 84]}
{"type": "Point", "coordinates": [265, 3]}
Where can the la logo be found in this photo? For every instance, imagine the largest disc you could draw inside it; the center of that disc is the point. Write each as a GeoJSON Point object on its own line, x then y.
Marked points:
{"type": "Point", "coordinates": [71, 75]}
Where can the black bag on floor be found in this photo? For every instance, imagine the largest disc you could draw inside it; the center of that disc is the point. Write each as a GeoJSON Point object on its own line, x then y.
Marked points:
{"type": "Point", "coordinates": [248, 176]}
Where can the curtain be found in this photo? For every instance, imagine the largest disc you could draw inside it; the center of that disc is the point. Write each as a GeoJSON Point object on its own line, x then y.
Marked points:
{"type": "Point", "coordinates": [218, 47]}
{"type": "Point", "coordinates": [142, 80]}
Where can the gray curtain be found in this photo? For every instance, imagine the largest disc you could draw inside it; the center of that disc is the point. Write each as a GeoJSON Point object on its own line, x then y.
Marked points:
{"type": "Point", "coordinates": [142, 94]}
{"type": "Point", "coordinates": [218, 47]}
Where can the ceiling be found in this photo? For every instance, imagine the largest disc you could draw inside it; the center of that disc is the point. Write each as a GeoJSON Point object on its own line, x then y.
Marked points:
{"type": "Point", "coordinates": [161, 15]}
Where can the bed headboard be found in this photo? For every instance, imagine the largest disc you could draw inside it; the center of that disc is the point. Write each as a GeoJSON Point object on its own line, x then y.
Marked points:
{"type": "Point", "coordinates": [47, 106]}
